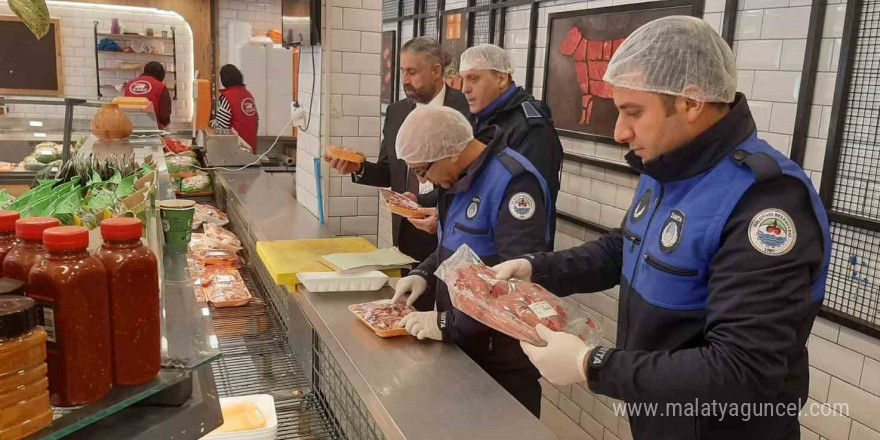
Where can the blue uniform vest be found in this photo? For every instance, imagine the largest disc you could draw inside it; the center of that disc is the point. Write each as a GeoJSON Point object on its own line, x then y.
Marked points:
{"type": "Point", "coordinates": [672, 272]}
{"type": "Point", "coordinates": [473, 214]}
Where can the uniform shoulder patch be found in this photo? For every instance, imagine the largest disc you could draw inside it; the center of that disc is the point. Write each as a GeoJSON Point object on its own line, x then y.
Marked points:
{"type": "Point", "coordinates": [522, 206]}
{"type": "Point", "coordinates": [772, 232]}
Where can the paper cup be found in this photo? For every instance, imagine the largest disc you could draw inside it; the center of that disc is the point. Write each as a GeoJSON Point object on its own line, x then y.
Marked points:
{"type": "Point", "coordinates": [177, 219]}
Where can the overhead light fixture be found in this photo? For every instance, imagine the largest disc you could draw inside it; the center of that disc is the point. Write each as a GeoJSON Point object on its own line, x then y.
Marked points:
{"type": "Point", "coordinates": [36, 123]}
{"type": "Point", "coordinates": [39, 135]}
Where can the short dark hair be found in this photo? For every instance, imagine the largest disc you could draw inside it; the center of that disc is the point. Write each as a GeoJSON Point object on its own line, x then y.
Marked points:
{"type": "Point", "coordinates": [230, 76]}
{"type": "Point", "coordinates": [155, 69]}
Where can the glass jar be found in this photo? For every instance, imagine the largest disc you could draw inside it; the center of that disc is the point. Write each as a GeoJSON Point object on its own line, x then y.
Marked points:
{"type": "Point", "coordinates": [133, 281]}
{"type": "Point", "coordinates": [28, 249]}
{"type": "Point", "coordinates": [7, 232]}
{"type": "Point", "coordinates": [24, 395]}
{"type": "Point", "coordinates": [70, 288]}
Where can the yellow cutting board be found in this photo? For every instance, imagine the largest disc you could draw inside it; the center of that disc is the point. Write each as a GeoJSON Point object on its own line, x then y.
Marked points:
{"type": "Point", "coordinates": [285, 258]}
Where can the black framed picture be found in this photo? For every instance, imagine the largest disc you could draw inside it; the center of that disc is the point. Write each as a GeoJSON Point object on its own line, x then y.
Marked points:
{"type": "Point", "coordinates": [579, 46]}
{"type": "Point", "coordinates": [454, 39]}
{"type": "Point", "coordinates": [387, 71]}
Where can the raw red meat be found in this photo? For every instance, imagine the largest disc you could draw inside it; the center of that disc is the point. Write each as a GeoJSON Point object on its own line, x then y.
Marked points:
{"type": "Point", "coordinates": [382, 314]}
{"type": "Point", "coordinates": [615, 45]}
{"type": "Point", "coordinates": [581, 69]}
{"type": "Point", "coordinates": [571, 41]}
{"type": "Point", "coordinates": [512, 307]}
{"type": "Point", "coordinates": [594, 50]}
{"type": "Point", "coordinates": [596, 69]}
{"type": "Point", "coordinates": [600, 89]}
{"type": "Point", "coordinates": [580, 54]}
{"type": "Point", "coordinates": [606, 50]}
{"type": "Point", "coordinates": [585, 88]}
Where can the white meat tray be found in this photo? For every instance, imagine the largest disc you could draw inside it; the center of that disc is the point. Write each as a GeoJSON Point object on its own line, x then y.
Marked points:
{"type": "Point", "coordinates": [336, 282]}
{"type": "Point", "coordinates": [266, 405]}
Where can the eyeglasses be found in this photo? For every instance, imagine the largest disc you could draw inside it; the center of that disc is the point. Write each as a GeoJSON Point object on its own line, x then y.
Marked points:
{"type": "Point", "coordinates": [421, 172]}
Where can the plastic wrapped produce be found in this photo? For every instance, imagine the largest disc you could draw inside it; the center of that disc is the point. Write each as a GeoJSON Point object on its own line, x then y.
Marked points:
{"type": "Point", "coordinates": [198, 183]}
{"type": "Point", "coordinates": [513, 307]}
{"type": "Point", "coordinates": [180, 164]}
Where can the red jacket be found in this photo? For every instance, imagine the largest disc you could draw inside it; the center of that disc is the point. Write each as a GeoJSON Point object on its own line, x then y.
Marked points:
{"type": "Point", "coordinates": [245, 119]}
{"type": "Point", "coordinates": [145, 86]}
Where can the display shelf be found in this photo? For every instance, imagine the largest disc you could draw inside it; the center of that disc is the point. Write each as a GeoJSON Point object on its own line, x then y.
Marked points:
{"type": "Point", "coordinates": [119, 69]}
{"type": "Point", "coordinates": [132, 36]}
{"type": "Point", "coordinates": [98, 70]}
{"type": "Point", "coordinates": [119, 52]}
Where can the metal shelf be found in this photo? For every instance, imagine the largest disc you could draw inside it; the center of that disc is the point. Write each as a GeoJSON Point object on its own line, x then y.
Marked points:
{"type": "Point", "coordinates": [98, 70]}
{"type": "Point", "coordinates": [119, 52]}
{"type": "Point", "coordinates": [133, 36]}
{"type": "Point", "coordinates": [257, 359]}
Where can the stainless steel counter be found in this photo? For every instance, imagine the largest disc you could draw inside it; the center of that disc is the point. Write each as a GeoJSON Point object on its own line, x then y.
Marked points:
{"type": "Point", "coordinates": [411, 389]}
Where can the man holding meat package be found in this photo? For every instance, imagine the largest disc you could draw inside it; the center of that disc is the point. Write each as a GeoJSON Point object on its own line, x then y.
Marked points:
{"type": "Point", "coordinates": [498, 203]}
{"type": "Point", "coordinates": [721, 258]}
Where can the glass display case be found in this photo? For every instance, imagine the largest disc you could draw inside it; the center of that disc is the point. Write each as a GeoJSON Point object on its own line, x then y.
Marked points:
{"type": "Point", "coordinates": [38, 134]}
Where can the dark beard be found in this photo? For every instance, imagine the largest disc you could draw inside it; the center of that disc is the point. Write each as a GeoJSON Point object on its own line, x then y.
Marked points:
{"type": "Point", "coordinates": [422, 96]}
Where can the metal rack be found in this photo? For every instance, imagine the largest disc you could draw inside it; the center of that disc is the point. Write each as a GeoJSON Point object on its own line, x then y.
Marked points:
{"type": "Point", "coordinates": [159, 57]}
{"type": "Point", "coordinates": [257, 359]}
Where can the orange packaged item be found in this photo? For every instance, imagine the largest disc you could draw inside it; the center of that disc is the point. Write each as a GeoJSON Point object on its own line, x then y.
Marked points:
{"type": "Point", "coordinates": [210, 214]}
{"type": "Point", "coordinates": [227, 289]}
{"type": "Point", "coordinates": [225, 238]}
{"type": "Point", "coordinates": [382, 317]}
{"type": "Point", "coordinates": [346, 154]}
{"type": "Point", "coordinates": [24, 395]}
{"type": "Point", "coordinates": [400, 205]}
{"type": "Point", "coordinates": [216, 257]}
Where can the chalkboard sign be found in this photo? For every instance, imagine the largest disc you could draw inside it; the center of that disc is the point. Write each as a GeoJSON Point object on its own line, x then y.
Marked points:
{"type": "Point", "coordinates": [29, 66]}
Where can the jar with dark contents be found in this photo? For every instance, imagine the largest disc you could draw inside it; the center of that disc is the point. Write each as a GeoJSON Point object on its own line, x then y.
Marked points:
{"type": "Point", "coordinates": [7, 232]}
{"type": "Point", "coordinates": [28, 248]}
{"type": "Point", "coordinates": [133, 281]}
{"type": "Point", "coordinates": [70, 288]}
{"type": "Point", "coordinates": [24, 395]}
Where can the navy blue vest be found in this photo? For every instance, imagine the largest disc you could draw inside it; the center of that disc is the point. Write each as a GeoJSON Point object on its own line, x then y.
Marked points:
{"type": "Point", "coordinates": [472, 216]}
{"type": "Point", "coordinates": [671, 271]}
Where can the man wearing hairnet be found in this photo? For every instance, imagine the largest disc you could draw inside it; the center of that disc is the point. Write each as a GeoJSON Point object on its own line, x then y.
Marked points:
{"type": "Point", "coordinates": [494, 99]}
{"type": "Point", "coordinates": [492, 199]}
{"type": "Point", "coordinates": [721, 258]}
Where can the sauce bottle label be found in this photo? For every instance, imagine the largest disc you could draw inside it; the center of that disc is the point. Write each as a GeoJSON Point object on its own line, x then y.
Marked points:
{"type": "Point", "coordinates": [46, 318]}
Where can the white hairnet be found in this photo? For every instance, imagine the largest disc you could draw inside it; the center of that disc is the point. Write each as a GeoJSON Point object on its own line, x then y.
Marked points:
{"type": "Point", "coordinates": [431, 133]}
{"type": "Point", "coordinates": [486, 57]}
{"type": "Point", "coordinates": [676, 55]}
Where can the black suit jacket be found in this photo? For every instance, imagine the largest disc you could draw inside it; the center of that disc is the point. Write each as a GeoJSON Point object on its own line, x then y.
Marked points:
{"type": "Point", "coordinates": [391, 171]}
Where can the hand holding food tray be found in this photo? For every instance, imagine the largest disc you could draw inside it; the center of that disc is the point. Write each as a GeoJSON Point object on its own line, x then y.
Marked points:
{"type": "Point", "coordinates": [382, 317]}
{"type": "Point", "coordinates": [345, 154]}
{"type": "Point", "coordinates": [401, 205]}
{"type": "Point", "coordinates": [513, 307]}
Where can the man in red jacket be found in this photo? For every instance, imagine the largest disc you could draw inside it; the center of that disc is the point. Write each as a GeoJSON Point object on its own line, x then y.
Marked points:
{"type": "Point", "coordinates": [236, 107]}
{"type": "Point", "coordinates": [150, 86]}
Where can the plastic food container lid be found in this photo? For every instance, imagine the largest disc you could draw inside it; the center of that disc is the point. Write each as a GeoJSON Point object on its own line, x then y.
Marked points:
{"type": "Point", "coordinates": [7, 220]}
{"type": "Point", "coordinates": [10, 286]}
{"type": "Point", "coordinates": [18, 315]}
{"type": "Point", "coordinates": [32, 228]}
{"type": "Point", "coordinates": [66, 238]}
{"type": "Point", "coordinates": [122, 228]}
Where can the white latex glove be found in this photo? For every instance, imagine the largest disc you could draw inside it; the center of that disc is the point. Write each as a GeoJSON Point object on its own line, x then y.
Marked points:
{"type": "Point", "coordinates": [519, 269]}
{"type": "Point", "coordinates": [562, 361]}
{"type": "Point", "coordinates": [414, 285]}
{"type": "Point", "coordinates": [422, 325]}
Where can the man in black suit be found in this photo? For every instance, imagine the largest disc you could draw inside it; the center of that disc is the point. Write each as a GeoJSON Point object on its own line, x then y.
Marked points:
{"type": "Point", "coordinates": [422, 65]}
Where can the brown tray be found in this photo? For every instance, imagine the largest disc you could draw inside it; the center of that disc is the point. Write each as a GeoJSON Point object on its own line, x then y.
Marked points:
{"type": "Point", "coordinates": [379, 332]}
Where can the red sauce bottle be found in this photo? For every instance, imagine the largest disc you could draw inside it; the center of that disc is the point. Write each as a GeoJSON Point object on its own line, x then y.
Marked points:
{"type": "Point", "coordinates": [28, 249]}
{"type": "Point", "coordinates": [133, 281]}
{"type": "Point", "coordinates": [7, 232]}
{"type": "Point", "coordinates": [70, 287]}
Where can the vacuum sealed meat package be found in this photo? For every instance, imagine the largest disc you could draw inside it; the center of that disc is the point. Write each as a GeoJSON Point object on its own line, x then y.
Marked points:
{"type": "Point", "coordinates": [382, 316]}
{"type": "Point", "coordinates": [513, 307]}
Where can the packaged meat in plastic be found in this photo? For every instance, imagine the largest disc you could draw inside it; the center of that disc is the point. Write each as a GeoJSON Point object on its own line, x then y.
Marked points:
{"type": "Point", "coordinates": [226, 288]}
{"type": "Point", "coordinates": [216, 257]}
{"type": "Point", "coordinates": [196, 184]}
{"type": "Point", "coordinates": [513, 307]}
{"type": "Point", "coordinates": [198, 272]}
{"type": "Point", "coordinates": [201, 242]}
{"type": "Point", "coordinates": [223, 236]}
{"type": "Point", "coordinates": [210, 214]}
{"type": "Point", "coordinates": [180, 164]}
{"type": "Point", "coordinates": [382, 316]}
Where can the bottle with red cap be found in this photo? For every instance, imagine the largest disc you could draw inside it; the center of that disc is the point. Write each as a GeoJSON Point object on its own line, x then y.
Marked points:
{"type": "Point", "coordinates": [28, 249]}
{"type": "Point", "coordinates": [133, 281]}
{"type": "Point", "coordinates": [70, 288]}
{"type": "Point", "coordinates": [7, 232]}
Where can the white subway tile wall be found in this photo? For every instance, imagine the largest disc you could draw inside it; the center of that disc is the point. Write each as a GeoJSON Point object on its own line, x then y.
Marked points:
{"type": "Point", "coordinates": [78, 54]}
